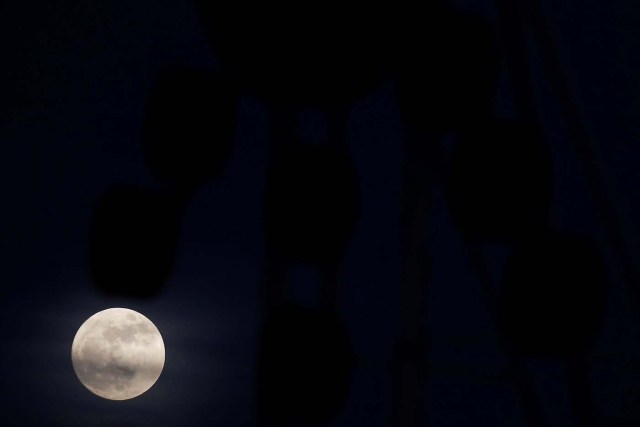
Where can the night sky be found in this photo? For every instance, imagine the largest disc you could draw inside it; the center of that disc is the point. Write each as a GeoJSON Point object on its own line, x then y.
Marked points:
{"type": "Point", "coordinates": [74, 79]}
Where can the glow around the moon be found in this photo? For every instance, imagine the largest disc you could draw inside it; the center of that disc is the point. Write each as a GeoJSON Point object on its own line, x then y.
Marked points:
{"type": "Point", "coordinates": [118, 354]}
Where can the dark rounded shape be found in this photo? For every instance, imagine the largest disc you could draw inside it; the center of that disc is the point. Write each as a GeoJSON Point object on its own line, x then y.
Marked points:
{"type": "Point", "coordinates": [305, 366]}
{"type": "Point", "coordinates": [311, 203]}
{"type": "Point", "coordinates": [499, 186]}
{"type": "Point", "coordinates": [188, 127]}
{"type": "Point", "coordinates": [304, 53]}
{"type": "Point", "coordinates": [448, 70]}
{"type": "Point", "coordinates": [133, 239]}
{"type": "Point", "coordinates": [554, 295]}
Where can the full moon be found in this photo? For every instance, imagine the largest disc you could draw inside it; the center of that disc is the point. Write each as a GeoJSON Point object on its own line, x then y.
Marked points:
{"type": "Point", "coordinates": [118, 354]}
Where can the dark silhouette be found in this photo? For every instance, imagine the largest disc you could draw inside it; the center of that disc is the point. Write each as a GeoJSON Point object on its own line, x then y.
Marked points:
{"type": "Point", "coordinates": [311, 208]}
{"type": "Point", "coordinates": [133, 239]}
{"type": "Point", "coordinates": [447, 69]}
{"type": "Point", "coordinates": [297, 56]}
{"type": "Point", "coordinates": [499, 188]}
{"type": "Point", "coordinates": [552, 304]}
{"type": "Point", "coordinates": [305, 366]}
{"type": "Point", "coordinates": [606, 198]}
{"type": "Point", "coordinates": [311, 203]}
{"type": "Point", "coordinates": [500, 182]}
{"type": "Point", "coordinates": [189, 124]}
{"type": "Point", "coordinates": [300, 54]}
{"type": "Point", "coordinates": [553, 295]}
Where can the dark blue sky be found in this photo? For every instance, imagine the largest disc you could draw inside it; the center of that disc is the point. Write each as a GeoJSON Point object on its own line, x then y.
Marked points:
{"type": "Point", "coordinates": [75, 78]}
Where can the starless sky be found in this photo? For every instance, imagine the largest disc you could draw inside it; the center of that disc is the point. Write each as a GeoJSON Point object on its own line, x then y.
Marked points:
{"type": "Point", "coordinates": [73, 79]}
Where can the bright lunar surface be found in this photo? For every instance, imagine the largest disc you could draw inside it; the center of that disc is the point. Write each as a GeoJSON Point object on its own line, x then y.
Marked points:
{"type": "Point", "coordinates": [118, 354]}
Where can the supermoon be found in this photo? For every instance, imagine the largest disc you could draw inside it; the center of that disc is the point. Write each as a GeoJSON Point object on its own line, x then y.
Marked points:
{"type": "Point", "coordinates": [118, 354]}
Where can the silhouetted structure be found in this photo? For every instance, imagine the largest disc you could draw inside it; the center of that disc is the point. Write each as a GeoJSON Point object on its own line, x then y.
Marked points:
{"type": "Point", "coordinates": [189, 124]}
{"type": "Point", "coordinates": [311, 210]}
{"type": "Point", "coordinates": [305, 366]}
{"type": "Point", "coordinates": [311, 203]}
{"type": "Point", "coordinates": [133, 239]}
{"type": "Point", "coordinates": [499, 188]}
{"type": "Point", "coordinates": [446, 64]}
{"type": "Point", "coordinates": [325, 57]}
{"type": "Point", "coordinates": [552, 304]}
{"type": "Point", "coordinates": [446, 69]}
{"type": "Point", "coordinates": [299, 53]}
{"type": "Point", "coordinates": [553, 295]}
{"type": "Point", "coordinates": [608, 206]}
{"type": "Point", "coordinates": [500, 182]}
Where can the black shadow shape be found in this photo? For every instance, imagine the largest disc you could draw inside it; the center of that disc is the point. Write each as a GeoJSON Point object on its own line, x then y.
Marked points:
{"type": "Point", "coordinates": [552, 304]}
{"type": "Point", "coordinates": [311, 203]}
{"type": "Point", "coordinates": [553, 295]}
{"type": "Point", "coordinates": [499, 187]}
{"type": "Point", "coordinates": [447, 69]}
{"type": "Point", "coordinates": [300, 53]}
{"type": "Point", "coordinates": [305, 367]}
{"type": "Point", "coordinates": [188, 127]}
{"type": "Point", "coordinates": [133, 239]}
